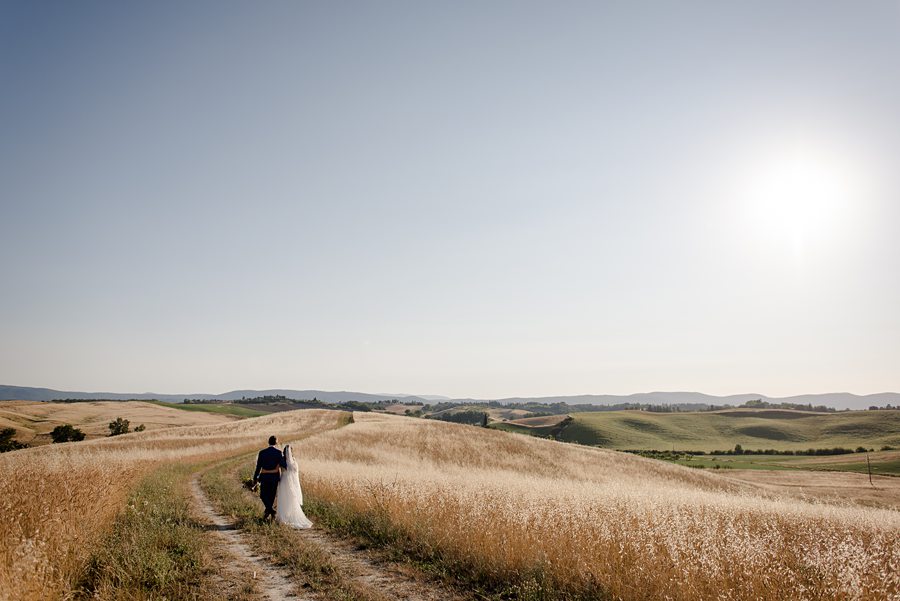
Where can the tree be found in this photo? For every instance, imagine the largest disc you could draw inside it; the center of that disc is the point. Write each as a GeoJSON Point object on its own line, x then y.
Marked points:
{"type": "Point", "coordinates": [6, 441]}
{"type": "Point", "coordinates": [140, 428]}
{"type": "Point", "coordinates": [66, 433]}
{"type": "Point", "coordinates": [119, 426]}
{"type": "Point", "coordinates": [738, 449]}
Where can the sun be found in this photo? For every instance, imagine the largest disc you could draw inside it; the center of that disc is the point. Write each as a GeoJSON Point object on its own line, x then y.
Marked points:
{"type": "Point", "coordinates": [800, 193]}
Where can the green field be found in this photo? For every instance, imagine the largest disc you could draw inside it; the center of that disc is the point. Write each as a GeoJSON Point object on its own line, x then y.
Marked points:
{"type": "Point", "coordinates": [884, 463]}
{"type": "Point", "coordinates": [783, 430]}
{"type": "Point", "coordinates": [226, 409]}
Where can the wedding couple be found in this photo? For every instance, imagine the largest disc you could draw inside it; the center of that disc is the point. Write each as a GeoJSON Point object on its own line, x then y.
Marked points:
{"type": "Point", "coordinates": [279, 482]}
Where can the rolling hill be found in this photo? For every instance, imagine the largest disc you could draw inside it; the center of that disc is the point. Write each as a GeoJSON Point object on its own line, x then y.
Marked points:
{"type": "Point", "coordinates": [837, 400]}
{"type": "Point", "coordinates": [511, 513]}
{"type": "Point", "coordinates": [721, 430]}
{"type": "Point", "coordinates": [27, 393]}
{"type": "Point", "coordinates": [33, 421]}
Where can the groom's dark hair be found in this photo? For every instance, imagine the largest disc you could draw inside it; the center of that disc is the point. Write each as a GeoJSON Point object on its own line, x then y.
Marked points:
{"type": "Point", "coordinates": [273, 440]}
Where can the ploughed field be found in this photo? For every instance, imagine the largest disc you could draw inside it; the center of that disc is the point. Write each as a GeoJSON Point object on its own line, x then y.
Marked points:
{"type": "Point", "coordinates": [512, 516]}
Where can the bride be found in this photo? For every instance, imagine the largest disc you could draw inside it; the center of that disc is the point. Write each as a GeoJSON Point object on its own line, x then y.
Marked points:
{"type": "Point", "coordinates": [289, 496]}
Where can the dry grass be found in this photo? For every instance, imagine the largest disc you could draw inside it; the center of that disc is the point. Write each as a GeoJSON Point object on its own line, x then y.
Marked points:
{"type": "Point", "coordinates": [34, 420]}
{"type": "Point", "coordinates": [833, 487]}
{"type": "Point", "coordinates": [503, 413]}
{"type": "Point", "coordinates": [307, 563]}
{"type": "Point", "coordinates": [156, 549]}
{"type": "Point", "coordinates": [58, 501]}
{"type": "Point", "coordinates": [880, 456]}
{"type": "Point", "coordinates": [550, 520]}
{"type": "Point", "coordinates": [401, 409]}
{"type": "Point", "coordinates": [543, 421]}
{"type": "Point", "coordinates": [531, 518]}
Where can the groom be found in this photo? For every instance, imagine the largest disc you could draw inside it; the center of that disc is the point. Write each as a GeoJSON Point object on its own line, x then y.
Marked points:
{"type": "Point", "coordinates": [268, 472]}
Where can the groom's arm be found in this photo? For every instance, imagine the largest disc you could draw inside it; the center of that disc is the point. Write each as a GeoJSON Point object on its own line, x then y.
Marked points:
{"type": "Point", "coordinates": [258, 467]}
{"type": "Point", "coordinates": [283, 462]}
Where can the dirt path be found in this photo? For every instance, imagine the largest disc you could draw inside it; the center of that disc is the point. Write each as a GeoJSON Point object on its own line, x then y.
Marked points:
{"type": "Point", "coordinates": [382, 578]}
{"type": "Point", "coordinates": [373, 576]}
{"type": "Point", "coordinates": [269, 580]}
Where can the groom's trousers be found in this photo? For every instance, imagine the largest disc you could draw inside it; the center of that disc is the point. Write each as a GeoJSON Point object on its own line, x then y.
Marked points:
{"type": "Point", "coordinates": [268, 486]}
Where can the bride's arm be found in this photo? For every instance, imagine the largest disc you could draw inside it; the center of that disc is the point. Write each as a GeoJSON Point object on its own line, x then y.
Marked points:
{"type": "Point", "coordinates": [258, 467]}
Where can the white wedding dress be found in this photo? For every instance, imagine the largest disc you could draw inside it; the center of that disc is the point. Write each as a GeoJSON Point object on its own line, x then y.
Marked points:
{"type": "Point", "coordinates": [289, 496]}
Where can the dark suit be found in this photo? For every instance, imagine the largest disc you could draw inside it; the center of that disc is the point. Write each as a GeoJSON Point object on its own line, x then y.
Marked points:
{"type": "Point", "coordinates": [269, 459]}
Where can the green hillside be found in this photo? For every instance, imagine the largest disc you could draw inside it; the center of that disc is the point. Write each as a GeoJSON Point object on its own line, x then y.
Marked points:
{"type": "Point", "coordinates": [227, 409]}
{"type": "Point", "coordinates": [783, 430]}
{"type": "Point", "coordinates": [880, 462]}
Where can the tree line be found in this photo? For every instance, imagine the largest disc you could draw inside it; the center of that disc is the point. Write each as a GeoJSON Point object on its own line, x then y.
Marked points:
{"type": "Point", "coordinates": [65, 433]}
{"type": "Point", "coordinates": [313, 403]}
{"type": "Point", "coordinates": [739, 450]}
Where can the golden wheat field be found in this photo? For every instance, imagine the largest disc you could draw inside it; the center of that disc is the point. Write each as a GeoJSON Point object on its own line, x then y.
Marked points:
{"type": "Point", "coordinates": [601, 522]}
{"type": "Point", "coordinates": [33, 420]}
{"type": "Point", "coordinates": [585, 522]}
{"type": "Point", "coordinates": [55, 501]}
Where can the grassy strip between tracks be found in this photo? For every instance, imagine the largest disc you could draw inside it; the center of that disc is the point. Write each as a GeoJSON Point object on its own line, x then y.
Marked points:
{"type": "Point", "coordinates": [157, 550]}
{"type": "Point", "coordinates": [284, 545]}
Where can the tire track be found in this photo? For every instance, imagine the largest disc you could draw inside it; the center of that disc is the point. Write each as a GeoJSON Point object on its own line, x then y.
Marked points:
{"type": "Point", "coordinates": [385, 579]}
{"type": "Point", "coordinates": [270, 580]}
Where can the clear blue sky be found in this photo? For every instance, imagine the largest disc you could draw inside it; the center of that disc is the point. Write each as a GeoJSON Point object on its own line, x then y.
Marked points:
{"type": "Point", "coordinates": [463, 198]}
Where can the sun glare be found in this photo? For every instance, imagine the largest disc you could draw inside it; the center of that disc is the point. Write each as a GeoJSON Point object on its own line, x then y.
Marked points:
{"type": "Point", "coordinates": [801, 194]}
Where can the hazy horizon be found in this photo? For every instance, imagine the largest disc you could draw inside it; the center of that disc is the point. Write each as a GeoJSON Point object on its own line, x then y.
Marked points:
{"type": "Point", "coordinates": [432, 394]}
{"type": "Point", "coordinates": [469, 200]}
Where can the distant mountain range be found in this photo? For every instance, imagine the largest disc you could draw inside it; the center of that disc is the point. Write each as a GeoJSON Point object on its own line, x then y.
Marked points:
{"type": "Point", "coordinates": [24, 393]}
{"type": "Point", "coordinates": [838, 400]}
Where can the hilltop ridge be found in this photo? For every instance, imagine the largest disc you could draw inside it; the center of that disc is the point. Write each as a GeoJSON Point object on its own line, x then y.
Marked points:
{"type": "Point", "coordinates": [837, 400]}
